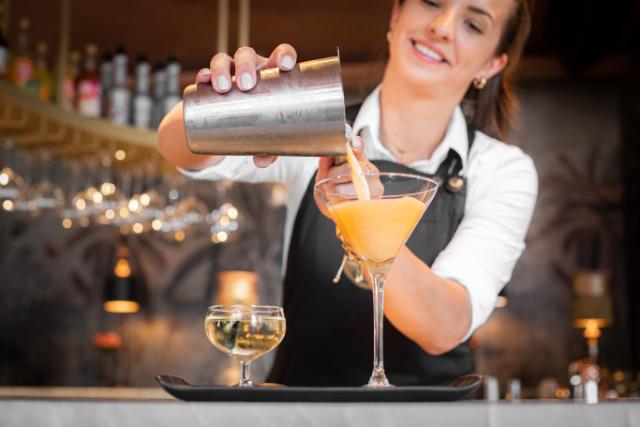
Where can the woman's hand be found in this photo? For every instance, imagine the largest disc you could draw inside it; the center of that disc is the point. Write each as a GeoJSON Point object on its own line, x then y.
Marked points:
{"type": "Point", "coordinates": [243, 65]}
{"type": "Point", "coordinates": [328, 169]}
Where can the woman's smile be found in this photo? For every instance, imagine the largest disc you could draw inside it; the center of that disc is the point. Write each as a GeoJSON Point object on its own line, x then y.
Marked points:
{"type": "Point", "coordinates": [427, 52]}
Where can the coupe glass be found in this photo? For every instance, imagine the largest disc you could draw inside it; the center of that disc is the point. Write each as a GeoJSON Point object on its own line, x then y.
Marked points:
{"type": "Point", "coordinates": [373, 231]}
{"type": "Point", "coordinates": [245, 332]}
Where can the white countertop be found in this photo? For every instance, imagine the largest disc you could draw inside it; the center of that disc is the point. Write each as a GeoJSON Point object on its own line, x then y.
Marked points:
{"type": "Point", "coordinates": [40, 412]}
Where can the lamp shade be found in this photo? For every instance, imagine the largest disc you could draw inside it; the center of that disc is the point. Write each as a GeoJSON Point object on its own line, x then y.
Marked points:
{"type": "Point", "coordinates": [237, 287]}
{"type": "Point", "coordinates": [591, 301]}
{"type": "Point", "coordinates": [120, 289]}
{"type": "Point", "coordinates": [120, 295]}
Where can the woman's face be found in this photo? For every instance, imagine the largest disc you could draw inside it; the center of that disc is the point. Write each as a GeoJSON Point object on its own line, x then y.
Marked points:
{"type": "Point", "coordinates": [445, 44]}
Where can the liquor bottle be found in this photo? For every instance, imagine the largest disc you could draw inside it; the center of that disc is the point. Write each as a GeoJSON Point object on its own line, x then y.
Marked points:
{"type": "Point", "coordinates": [142, 102]}
{"type": "Point", "coordinates": [106, 80]}
{"type": "Point", "coordinates": [4, 50]}
{"type": "Point", "coordinates": [119, 95]}
{"type": "Point", "coordinates": [69, 87]}
{"type": "Point", "coordinates": [4, 56]}
{"type": "Point", "coordinates": [22, 64]}
{"type": "Point", "coordinates": [41, 84]}
{"type": "Point", "coordinates": [159, 90]}
{"type": "Point", "coordinates": [88, 90]}
{"type": "Point", "coordinates": [172, 96]}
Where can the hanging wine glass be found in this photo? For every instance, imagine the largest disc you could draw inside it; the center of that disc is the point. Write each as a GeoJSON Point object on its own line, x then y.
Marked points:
{"type": "Point", "coordinates": [68, 213]}
{"type": "Point", "coordinates": [152, 213]}
{"type": "Point", "coordinates": [224, 223]}
{"type": "Point", "coordinates": [122, 215]}
{"type": "Point", "coordinates": [46, 195]}
{"type": "Point", "coordinates": [12, 189]}
{"type": "Point", "coordinates": [25, 203]}
{"type": "Point", "coordinates": [84, 200]}
{"type": "Point", "coordinates": [12, 185]}
{"type": "Point", "coordinates": [184, 212]}
{"type": "Point", "coordinates": [151, 201]}
{"type": "Point", "coordinates": [181, 218]}
{"type": "Point", "coordinates": [112, 197]}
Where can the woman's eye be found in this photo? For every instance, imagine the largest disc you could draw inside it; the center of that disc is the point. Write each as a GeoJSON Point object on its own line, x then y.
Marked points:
{"type": "Point", "coordinates": [472, 25]}
{"type": "Point", "coordinates": [431, 3]}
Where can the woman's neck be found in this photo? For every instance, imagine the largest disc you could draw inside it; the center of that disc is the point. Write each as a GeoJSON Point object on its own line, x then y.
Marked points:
{"type": "Point", "coordinates": [412, 123]}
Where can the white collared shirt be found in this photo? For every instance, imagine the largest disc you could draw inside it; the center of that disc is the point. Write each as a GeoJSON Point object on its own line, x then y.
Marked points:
{"type": "Point", "coordinates": [502, 186]}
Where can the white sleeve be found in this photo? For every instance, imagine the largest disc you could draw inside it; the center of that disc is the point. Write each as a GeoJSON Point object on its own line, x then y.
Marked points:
{"type": "Point", "coordinates": [241, 168]}
{"type": "Point", "coordinates": [491, 237]}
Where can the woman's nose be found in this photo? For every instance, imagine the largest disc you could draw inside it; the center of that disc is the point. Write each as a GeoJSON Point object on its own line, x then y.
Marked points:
{"type": "Point", "coordinates": [443, 25]}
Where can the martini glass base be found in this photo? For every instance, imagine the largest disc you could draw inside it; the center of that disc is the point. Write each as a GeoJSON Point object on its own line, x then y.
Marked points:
{"type": "Point", "coordinates": [378, 380]}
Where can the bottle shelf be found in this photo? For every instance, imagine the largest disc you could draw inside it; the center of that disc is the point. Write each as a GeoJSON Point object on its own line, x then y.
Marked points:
{"type": "Point", "coordinates": [27, 122]}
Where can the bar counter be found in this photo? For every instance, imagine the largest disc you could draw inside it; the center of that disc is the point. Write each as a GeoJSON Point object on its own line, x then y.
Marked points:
{"type": "Point", "coordinates": [153, 407]}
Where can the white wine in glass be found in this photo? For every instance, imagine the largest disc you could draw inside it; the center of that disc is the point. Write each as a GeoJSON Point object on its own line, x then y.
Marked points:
{"type": "Point", "coordinates": [245, 332]}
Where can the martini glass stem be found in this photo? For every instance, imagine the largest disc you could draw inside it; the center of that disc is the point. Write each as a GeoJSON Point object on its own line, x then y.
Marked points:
{"type": "Point", "coordinates": [245, 374]}
{"type": "Point", "coordinates": [378, 377]}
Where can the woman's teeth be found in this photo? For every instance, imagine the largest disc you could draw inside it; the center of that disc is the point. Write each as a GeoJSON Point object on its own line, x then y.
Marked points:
{"type": "Point", "coordinates": [428, 52]}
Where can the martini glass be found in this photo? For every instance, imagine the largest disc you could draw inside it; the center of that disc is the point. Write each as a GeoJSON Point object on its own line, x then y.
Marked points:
{"type": "Point", "coordinates": [375, 230]}
{"type": "Point", "coordinates": [245, 332]}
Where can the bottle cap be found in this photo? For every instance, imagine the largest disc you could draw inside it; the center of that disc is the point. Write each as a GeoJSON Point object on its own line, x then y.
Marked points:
{"type": "Point", "coordinates": [91, 49]}
{"type": "Point", "coordinates": [42, 48]}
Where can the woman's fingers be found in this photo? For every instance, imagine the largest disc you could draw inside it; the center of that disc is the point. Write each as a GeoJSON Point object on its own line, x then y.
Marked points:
{"type": "Point", "coordinates": [203, 75]}
{"type": "Point", "coordinates": [357, 146]}
{"type": "Point", "coordinates": [245, 61]}
{"type": "Point", "coordinates": [284, 57]}
{"type": "Point", "coordinates": [328, 169]}
{"type": "Point", "coordinates": [221, 72]}
{"type": "Point", "coordinates": [264, 160]}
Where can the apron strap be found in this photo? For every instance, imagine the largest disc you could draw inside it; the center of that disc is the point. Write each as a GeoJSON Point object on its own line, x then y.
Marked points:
{"type": "Point", "coordinates": [448, 174]}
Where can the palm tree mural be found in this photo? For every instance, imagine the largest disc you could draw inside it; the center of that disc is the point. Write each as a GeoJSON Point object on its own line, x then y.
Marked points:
{"type": "Point", "coordinates": [53, 284]}
{"type": "Point", "coordinates": [586, 196]}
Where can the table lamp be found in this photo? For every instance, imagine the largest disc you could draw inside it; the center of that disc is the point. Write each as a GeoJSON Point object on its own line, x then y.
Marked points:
{"type": "Point", "coordinates": [120, 287]}
{"type": "Point", "coordinates": [591, 306]}
{"type": "Point", "coordinates": [237, 287]}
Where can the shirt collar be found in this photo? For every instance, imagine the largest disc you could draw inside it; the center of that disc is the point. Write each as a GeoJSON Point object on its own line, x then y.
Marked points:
{"type": "Point", "coordinates": [367, 124]}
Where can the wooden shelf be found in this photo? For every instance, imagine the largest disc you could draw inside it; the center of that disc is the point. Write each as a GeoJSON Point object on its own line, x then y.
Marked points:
{"type": "Point", "coordinates": [27, 122]}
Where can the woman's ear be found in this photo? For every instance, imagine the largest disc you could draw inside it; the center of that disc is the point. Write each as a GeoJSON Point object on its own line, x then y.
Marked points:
{"type": "Point", "coordinates": [395, 12]}
{"type": "Point", "coordinates": [494, 66]}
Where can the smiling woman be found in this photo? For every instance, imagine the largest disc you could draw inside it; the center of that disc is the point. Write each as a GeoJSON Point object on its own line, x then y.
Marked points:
{"type": "Point", "coordinates": [500, 29]}
{"type": "Point", "coordinates": [444, 99]}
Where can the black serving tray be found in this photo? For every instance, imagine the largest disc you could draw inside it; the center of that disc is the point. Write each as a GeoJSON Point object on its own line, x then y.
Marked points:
{"type": "Point", "coordinates": [458, 389]}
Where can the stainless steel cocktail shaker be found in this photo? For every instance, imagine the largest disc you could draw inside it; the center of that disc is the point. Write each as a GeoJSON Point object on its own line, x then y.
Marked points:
{"type": "Point", "coordinates": [299, 113]}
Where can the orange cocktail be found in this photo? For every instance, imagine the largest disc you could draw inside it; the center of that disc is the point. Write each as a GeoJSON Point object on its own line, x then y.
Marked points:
{"type": "Point", "coordinates": [375, 214]}
{"type": "Point", "coordinates": [376, 229]}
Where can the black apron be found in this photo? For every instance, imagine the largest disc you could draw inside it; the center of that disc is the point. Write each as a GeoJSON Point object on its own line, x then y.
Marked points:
{"type": "Point", "coordinates": [329, 339]}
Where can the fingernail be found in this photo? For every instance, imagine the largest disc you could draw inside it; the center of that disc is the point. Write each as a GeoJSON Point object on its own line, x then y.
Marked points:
{"type": "Point", "coordinates": [205, 72]}
{"type": "Point", "coordinates": [246, 81]}
{"type": "Point", "coordinates": [355, 143]}
{"type": "Point", "coordinates": [348, 132]}
{"type": "Point", "coordinates": [287, 62]}
{"type": "Point", "coordinates": [223, 83]}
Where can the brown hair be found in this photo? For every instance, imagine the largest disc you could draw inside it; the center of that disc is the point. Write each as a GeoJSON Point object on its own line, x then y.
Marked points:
{"type": "Point", "coordinates": [493, 109]}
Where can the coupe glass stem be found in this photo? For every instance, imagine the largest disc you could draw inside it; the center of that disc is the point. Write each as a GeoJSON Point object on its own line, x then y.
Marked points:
{"type": "Point", "coordinates": [245, 374]}
{"type": "Point", "coordinates": [378, 377]}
